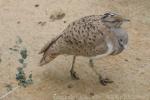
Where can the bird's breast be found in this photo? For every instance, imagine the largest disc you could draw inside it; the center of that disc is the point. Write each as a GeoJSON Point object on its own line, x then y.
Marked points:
{"type": "Point", "coordinates": [108, 51]}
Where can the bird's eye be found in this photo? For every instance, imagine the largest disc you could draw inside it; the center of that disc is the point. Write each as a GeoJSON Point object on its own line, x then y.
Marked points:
{"type": "Point", "coordinates": [121, 40]}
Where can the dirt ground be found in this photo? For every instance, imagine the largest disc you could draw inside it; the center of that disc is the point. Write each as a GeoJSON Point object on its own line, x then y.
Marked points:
{"type": "Point", "coordinates": [30, 20]}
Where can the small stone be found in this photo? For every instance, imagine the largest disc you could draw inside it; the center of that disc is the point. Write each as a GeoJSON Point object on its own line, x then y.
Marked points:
{"type": "Point", "coordinates": [70, 86]}
{"type": "Point", "coordinates": [91, 94]}
{"type": "Point", "coordinates": [142, 73]}
{"type": "Point", "coordinates": [57, 15]}
{"type": "Point", "coordinates": [13, 49]}
{"type": "Point", "coordinates": [18, 22]}
{"type": "Point", "coordinates": [37, 5]}
{"type": "Point", "coordinates": [64, 21]}
{"type": "Point", "coordinates": [138, 59]}
{"type": "Point", "coordinates": [126, 60]}
{"type": "Point", "coordinates": [41, 23]}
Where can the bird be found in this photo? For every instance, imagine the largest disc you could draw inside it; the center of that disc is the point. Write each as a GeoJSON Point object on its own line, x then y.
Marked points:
{"type": "Point", "coordinates": [93, 36]}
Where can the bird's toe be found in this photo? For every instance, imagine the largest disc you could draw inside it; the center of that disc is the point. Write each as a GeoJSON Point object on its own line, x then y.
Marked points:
{"type": "Point", "coordinates": [74, 75]}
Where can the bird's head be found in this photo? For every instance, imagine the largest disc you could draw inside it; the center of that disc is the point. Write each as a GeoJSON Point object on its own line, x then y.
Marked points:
{"type": "Point", "coordinates": [113, 20]}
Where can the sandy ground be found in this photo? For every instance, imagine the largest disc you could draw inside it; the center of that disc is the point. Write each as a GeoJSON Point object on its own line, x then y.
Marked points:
{"type": "Point", "coordinates": [130, 70]}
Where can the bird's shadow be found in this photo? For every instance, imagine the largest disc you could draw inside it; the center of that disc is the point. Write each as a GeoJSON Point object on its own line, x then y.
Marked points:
{"type": "Point", "coordinates": [60, 75]}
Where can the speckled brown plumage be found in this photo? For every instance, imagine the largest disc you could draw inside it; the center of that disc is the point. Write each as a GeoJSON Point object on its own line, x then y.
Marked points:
{"type": "Point", "coordinates": [89, 36]}
{"type": "Point", "coordinates": [83, 37]}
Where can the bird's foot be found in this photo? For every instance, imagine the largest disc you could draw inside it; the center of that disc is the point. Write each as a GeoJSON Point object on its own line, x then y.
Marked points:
{"type": "Point", "coordinates": [74, 75]}
{"type": "Point", "coordinates": [105, 81]}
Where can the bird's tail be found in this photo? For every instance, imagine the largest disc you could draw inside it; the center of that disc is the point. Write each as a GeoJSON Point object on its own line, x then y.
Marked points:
{"type": "Point", "coordinates": [47, 58]}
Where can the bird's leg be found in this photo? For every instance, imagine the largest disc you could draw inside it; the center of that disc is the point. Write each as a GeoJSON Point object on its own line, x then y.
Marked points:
{"type": "Point", "coordinates": [103, 81]}
{"type": "Point", "coordinates": [72, 72]}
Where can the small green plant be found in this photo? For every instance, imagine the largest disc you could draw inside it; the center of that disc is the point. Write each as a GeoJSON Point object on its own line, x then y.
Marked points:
{"type": "Point", "coordinates": [21, 61]}
{"type": "Point", "coordinates": [23, 53]}
{"type": "Point", "coordinates": [19, 40]}
{"type": "Point", "coordinates": [21, 78]}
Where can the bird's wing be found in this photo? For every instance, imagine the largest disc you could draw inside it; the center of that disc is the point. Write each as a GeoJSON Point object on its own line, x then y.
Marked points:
{"type": "Point", "coordinates": [85, 37]}
{"type": "Point", "coordinates": [48, 45]}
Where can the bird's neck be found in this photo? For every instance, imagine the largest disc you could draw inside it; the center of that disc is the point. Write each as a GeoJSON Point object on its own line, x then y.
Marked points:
{"type": "Point", "coordinates": [112, 24]}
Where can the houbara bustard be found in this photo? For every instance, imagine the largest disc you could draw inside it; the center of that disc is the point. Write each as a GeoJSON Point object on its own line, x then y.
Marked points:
{"type": "Point", "coordinates": [92, 36]}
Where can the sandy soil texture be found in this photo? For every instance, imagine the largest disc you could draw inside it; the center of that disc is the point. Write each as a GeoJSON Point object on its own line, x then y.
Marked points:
{"type": "Point", "coordinates": [29, 24]}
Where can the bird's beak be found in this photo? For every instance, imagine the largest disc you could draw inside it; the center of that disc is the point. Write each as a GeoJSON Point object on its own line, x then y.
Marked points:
{"type": "Point", "coordinates": [120, 18]}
